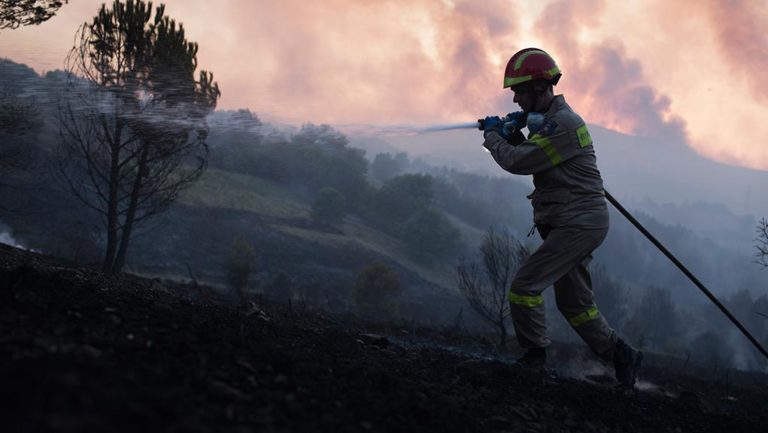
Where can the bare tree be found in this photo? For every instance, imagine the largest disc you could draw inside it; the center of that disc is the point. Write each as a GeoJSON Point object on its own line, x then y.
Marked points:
{"type": "Point", "coordinates": [132, 122]}
{"type": "Point", "coordinates": [485, 281]}
{"type": "Point", "coordinates": [15, 13]}
{"type": "Point", "coordinates": [761, 243]}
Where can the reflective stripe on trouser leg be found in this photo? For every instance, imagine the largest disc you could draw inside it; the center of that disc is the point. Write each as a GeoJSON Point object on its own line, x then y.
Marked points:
{"type": "Point", "coordinates": [575, 300]}
{"type": "Point", "coordinates": [529, 319]}
{"type": "Point", "coordinates": [591, 314]}
{"type": "Point", "coordinates": [531, 307]}
{"type": "Point", "coordinates": [561, 251]}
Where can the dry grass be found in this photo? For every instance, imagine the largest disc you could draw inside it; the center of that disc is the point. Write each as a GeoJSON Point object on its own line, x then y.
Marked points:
{"type": "Point", "coordinates": [226, 190]}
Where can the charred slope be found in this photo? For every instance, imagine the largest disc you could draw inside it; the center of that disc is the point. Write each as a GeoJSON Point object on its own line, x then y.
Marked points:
{"type": "Point", "coordinates": [85, 352]}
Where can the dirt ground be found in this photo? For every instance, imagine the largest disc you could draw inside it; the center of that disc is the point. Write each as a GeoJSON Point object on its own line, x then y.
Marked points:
{"type": "Point", "coordinates": [80, 351]}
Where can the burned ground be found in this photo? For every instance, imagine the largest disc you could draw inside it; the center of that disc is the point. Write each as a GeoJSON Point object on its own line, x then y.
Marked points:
{"type": "Point", "coordinates": [80, 351]}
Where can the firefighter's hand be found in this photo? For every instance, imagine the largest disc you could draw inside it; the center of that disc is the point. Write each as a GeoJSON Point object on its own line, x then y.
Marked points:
{"type": "Point", "coordinates": [517, 119]}
{"type": "Point", "coordinates": [535, 122]}
{"type": "Point", "coordinates": [492, 123]}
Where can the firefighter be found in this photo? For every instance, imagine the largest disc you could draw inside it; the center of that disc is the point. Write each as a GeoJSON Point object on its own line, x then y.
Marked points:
{"type": "Point", "coordinates": [569, 208]}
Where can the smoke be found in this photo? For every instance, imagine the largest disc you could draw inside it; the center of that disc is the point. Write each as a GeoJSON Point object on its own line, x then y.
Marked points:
{"type": "Point", "coordinates": [6, 237]}
{"type": "Point", "coordinates": [739, 27]}
{"type": "Point", "coordinates": [610, 88]}
{"type": "Point", "coordinates": [398, 61]}
{"type": "Point", "coordinates": [432, 61]}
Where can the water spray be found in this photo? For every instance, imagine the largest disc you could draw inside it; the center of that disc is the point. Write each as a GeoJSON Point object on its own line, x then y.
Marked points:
{"type": "Point", "coordinates": [449, 126]}
{"type": "Point", "coordinates": [424, 129]}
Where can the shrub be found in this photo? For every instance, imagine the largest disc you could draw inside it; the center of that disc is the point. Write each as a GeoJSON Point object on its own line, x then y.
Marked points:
{"type": "Point", "coordinates": [655, 321]}
{"type": "Point", "coordinates": [485, 280]}
{"type": "Point", "coordinates": [429, 235]}
{"type": "Point", "coordinates": [376, 289]}
{"type": "Point", "coordinates": [241, 260]}
{"type": "Point", "coordinates": [329, 207]}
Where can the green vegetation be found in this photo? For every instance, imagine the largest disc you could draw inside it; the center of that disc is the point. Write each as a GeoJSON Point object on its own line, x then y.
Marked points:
{"type": "Point", "coordinates": [241, 261]}
{"type": "Point", "coordinates": [16, 13]}
{"type": "Point", "coordinates": [226, 190]}
{"type": "Point", "coordinates": [385, 166]}
{"type": "Point", "coordinates": [430, 236]}
{"type": "Point", "coordinates": [328, 207]}
{"type": "Point", "coordinates": [376, 290]}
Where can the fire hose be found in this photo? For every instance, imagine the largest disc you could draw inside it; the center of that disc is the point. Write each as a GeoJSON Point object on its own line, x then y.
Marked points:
{"type": "Point", "coordinates": [685, 270]}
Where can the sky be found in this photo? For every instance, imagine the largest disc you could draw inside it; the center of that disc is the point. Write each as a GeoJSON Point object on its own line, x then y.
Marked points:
{"type": "Point", "coordinates": [687, 72]}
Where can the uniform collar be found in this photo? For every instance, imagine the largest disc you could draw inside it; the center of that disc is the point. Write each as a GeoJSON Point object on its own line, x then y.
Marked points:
{"type": "Point", "coordinates": [557, 103]}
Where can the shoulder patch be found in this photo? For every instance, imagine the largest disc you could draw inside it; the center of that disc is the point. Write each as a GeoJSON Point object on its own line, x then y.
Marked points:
{"type": "Point", "coordinates": [584, 138]}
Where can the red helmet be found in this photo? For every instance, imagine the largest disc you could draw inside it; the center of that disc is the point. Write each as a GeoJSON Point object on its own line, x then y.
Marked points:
{"type": "Point", "coordinates": [531, 64]}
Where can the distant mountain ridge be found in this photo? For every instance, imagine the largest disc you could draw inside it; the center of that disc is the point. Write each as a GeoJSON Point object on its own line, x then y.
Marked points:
{"type": "Point", "coordinates": [634, 168]}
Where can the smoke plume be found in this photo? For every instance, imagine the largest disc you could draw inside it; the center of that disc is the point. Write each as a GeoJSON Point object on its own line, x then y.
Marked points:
{"type": "Point", "coordinates": [608, 87]}
{"type": "Point", "coordinates": [739, 27]}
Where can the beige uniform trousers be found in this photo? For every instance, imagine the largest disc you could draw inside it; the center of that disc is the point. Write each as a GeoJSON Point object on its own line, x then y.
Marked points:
{"type": "Point", "coordinates": [562, 261]}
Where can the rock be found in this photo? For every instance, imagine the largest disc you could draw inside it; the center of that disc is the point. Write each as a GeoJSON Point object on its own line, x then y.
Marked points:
{"type": "Point", "coordinates": [253, 309]}
{"type": "Point", "coordinates": [696, 400]}
{"type": "Point", "coordinates": [524, 413]}
{"type": "Point", "coordinates": [223, 390]}
{"type": "Point", "coordinates": [498, 421]}
{"type": "Point", "coordinates": [88, 350]}
{"type": "Point", "coordinates": [375, 340]}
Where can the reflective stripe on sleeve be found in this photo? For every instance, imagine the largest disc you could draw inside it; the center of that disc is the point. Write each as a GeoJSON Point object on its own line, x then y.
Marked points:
{"type": "Point", "coordinates": [526, 301]}
{"type": "Point", "coordinates": [585, 317]}
{"type": "Point", "coordinates": [547, 147]}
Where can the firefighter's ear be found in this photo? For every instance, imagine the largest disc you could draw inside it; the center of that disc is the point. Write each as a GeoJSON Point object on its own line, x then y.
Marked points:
{"type": "Point", "coordinates": [540, 87]}
{"type": "Point", "coordinates": [544, 89]}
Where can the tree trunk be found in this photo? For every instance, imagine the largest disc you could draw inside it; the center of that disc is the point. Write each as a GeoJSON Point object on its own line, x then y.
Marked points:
{"type": "Point", "coordinates": [112, 205]}
{"type": "Point", "coordinates": [131, 212]}
{"type": "Point", "coordinates": [502, 337]}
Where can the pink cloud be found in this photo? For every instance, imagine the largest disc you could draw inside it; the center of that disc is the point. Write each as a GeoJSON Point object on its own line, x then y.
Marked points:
{"type": "Point", "coordinates": [390, 61]}
{"type": "Point", "coordinates": [607, 87]}
{"type": "Point", "coordinates": [739, 26]}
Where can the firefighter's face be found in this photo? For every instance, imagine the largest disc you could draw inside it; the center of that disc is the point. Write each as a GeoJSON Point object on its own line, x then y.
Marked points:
{"type": "Point", "coordinates": [523, 97]}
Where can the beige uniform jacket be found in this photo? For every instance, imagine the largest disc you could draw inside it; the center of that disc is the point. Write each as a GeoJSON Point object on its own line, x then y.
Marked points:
{"type": "Point", "coordinates": [568, 187]}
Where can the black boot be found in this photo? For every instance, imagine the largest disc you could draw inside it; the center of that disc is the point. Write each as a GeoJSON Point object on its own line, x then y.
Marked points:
{"type": "Point", "coordinates": [534, 358]}
{"type": "Point", "coordinates": [626, 362]}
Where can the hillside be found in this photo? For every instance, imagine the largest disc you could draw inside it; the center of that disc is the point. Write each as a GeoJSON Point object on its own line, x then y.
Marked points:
{"type": "Point", "coordinates": [288, 212]}
{"type": "Point", "coordinates": [322, 261]}
{"type": "Point", "coordinates": [86, 352]}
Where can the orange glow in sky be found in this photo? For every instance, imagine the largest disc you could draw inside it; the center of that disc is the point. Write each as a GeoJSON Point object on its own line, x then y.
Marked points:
{"type": "Point", "coordinates": [681, 70]}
